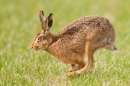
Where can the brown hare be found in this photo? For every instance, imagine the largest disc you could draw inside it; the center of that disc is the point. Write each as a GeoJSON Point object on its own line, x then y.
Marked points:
{"type": "Point", "coordinates": [83, 36]}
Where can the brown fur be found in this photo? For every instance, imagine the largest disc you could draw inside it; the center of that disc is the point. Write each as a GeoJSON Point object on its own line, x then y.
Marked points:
{"type": "Point", "coordinates": [83, 36]}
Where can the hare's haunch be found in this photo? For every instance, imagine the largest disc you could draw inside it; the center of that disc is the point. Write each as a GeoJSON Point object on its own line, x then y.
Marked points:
{"type": "Point", "coordinates": [83, 36]}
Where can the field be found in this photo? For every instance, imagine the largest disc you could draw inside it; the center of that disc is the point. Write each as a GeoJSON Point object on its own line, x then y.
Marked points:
{"type": "Point", "coordinates": [22, 66]}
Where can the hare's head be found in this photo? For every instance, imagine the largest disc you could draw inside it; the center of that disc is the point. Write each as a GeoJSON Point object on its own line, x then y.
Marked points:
{"type": "Point", "coordinates": [42, 40]}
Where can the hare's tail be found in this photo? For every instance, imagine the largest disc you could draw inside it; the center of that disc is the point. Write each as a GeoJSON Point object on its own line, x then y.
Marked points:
{"type": "Point", "coordinates": [114, 48]}
{"type": "Point", "coordinates": [111, 48]}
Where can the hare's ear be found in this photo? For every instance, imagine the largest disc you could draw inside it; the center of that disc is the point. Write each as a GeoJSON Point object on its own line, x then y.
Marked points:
{"type": "Point", "coordinates": [42, 20]}
{"type": "Point", "coordinates": [49, 21]}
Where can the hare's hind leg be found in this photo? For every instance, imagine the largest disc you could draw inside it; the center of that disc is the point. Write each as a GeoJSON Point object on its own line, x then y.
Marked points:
{"type": "Point", "coordinates": [90, 60]}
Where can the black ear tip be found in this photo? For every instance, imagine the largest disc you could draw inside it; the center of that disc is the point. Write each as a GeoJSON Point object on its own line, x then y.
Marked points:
{"type": "Point", "coordinates": [115, 48]}
{"type": "Point", "coordinates": [41, 12]}
{"type": "Point", "coordinates": [51, 14]}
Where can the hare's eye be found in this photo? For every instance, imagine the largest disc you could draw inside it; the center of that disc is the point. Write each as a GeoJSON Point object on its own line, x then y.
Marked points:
{"type": "Point", "coordinates": [40, 38]}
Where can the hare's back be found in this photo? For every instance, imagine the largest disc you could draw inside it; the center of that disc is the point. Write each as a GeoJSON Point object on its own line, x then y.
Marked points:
{"type": "Point", "coordinates": [75, 35]}
{"type": "Point", "coordinates": [89, 25]}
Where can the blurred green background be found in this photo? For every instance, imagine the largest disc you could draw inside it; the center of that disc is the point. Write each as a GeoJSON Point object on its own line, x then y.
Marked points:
{"type": "Point", "coordinates": [21, 66]}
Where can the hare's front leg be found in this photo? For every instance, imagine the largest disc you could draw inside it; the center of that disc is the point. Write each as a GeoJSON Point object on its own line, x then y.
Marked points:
{"type": "Point", "coordinates": [91, 66]}
{"type": "Point", "coordinates": [90, 60]}
{"type": "Point", "coordinates": [73, 67]}
{"type": "Point", "coordinates": [80, 64]}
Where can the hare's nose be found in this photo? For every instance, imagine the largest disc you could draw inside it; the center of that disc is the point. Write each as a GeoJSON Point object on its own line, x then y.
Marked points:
{"type": "Point", "coordinates": [31, 47]}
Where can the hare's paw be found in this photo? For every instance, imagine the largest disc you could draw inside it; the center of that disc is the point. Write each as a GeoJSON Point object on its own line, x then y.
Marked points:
{"type": "Point", "coordinates": [75, 68]}
{"type": "Point", "coordinates": [70, 69]}
{"type": "Point", "coordinates": [69, 74]}
{"type": "Point", "coordinates": [90, 69]}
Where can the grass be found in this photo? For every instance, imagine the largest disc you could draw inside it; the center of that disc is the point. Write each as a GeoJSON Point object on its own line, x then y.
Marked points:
{"type": "Point", "coordinates": [21, 66]}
